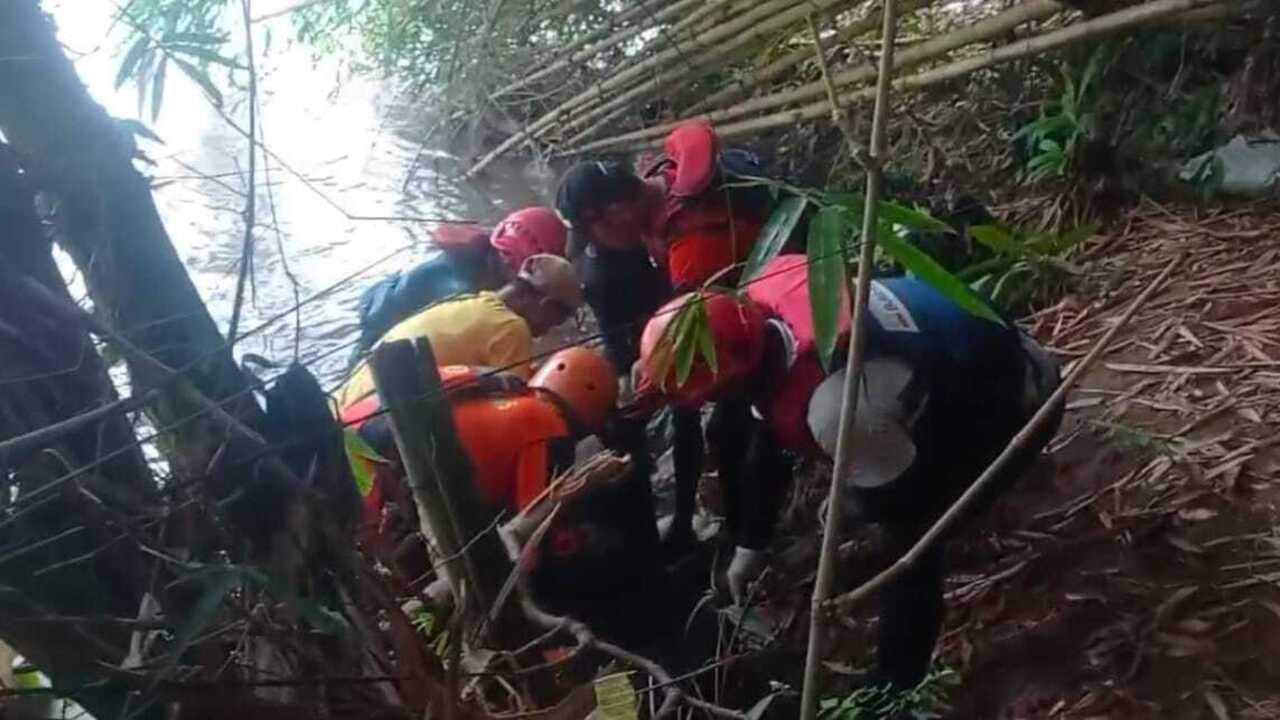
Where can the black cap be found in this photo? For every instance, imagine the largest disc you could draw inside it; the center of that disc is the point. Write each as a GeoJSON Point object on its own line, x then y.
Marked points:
{"type": "Point", "coordinates": [591, 186]}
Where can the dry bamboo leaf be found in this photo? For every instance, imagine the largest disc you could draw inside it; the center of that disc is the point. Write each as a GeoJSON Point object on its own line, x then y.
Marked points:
{"type": "Point", "coordinates": [1199, 514]}
{"type": "Point", "coordinates": [1215, 703]}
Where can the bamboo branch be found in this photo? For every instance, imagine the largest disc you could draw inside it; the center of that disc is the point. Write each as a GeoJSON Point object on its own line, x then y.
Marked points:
{"type": "Point", "coordinates": [586, 48]}
{"type": "Point", "coordinates": [978, 32]}
{"type": "Point", "coordinates": [1091, 29]}
{"type": "Point", "coordinates": [781, 66]}
{"type": "Point", "coordinates": [1019, 441]}
{"type": "Point", "coordinates": [250, 200]}
{"type": "Point", "coordinates": [857, 350]}
{"type": "Point", "coordinates": [765, 17]}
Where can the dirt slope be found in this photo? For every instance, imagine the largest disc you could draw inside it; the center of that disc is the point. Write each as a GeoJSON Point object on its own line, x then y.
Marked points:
{"type": "Point", "coordinates": [1141, 580]}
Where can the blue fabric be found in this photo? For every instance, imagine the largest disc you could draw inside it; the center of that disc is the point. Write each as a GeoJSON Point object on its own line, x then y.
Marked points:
{"type": "Point", "coordinates": [399, 295]}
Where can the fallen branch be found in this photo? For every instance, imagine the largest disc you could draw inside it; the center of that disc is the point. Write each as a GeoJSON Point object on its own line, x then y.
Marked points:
{"type": "Point", "coordinates": [847, 600]}
{"type": "Point", "coordinates": [857, 344]}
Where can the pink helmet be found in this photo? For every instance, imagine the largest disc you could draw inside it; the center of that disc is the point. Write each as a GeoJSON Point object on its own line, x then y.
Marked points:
{"type": "Point", "coordinates": [531, 231]}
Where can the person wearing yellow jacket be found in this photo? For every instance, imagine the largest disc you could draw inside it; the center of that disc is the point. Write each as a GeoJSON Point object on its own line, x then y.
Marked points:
{"type": "Point", "coordinates": [486, 329]}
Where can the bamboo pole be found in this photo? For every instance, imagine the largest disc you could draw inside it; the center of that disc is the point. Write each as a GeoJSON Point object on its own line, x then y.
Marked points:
{"type": "Point", "coordinates": [586, 48]}
{"type": "Point", "coordinates": [857, 350]}
{"type": "Point", "coordinates": [1087, 30]}
{"type": "Point", "coordinates": [929, 50]}
{"type": "Point", "coordinates": [455, 521]}
{"type": "Point", "coordinates": [1019, 441]}
{"type": "Point", "coordinates": [765, 17]}
{"type": "Point", "coordinates": [781, 66]}
{"type": "Point", "coordinates": [980, 31]}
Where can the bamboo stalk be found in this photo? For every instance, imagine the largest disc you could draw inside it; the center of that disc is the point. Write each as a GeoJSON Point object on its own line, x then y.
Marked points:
{"type": "Point", "coordinates": [1087, 30]}
{"type": "Point", "coordinates": [765, 17]}
{"type": "Point", "coordinates": [857, 349]}
{"type": "Point", "coordinates": [661, 81]}
{"type": "Point", "coordinates": [586, 48]}
{"type": "Point", "coordinates": [1019, 441]}
{"type": "Point", "coordinates": [779, 67]}
{"type": "Point", "coordinates": [937, 47]}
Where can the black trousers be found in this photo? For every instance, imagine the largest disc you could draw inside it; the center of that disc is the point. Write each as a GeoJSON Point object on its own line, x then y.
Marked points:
{"type": "Point", "coordinates": [949, 460]}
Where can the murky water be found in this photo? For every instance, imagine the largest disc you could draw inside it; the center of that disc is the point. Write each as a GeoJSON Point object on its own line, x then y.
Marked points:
{"type": "Point", "coordinates": [353, 174]}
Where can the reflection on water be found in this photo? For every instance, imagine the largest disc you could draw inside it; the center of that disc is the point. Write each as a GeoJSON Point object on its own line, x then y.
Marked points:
{"type": "Point", "coordinates": [341, 148]}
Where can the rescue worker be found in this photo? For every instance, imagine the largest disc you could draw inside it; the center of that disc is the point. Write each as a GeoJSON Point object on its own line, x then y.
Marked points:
{"type": "Point", "coordinates": [943, 392]}
{"type": "Point", "coordinates": [677, 225]}
{"type": "Point", "coordinates": [492, 329]}
{"type": "Point", "coordinates": [518, 438]}
{"type": "Point", "coordinates": [471, 259]}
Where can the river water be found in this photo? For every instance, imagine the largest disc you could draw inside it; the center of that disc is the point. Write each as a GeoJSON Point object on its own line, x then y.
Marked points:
{"type": "Point", "coordinates": [342, 149]}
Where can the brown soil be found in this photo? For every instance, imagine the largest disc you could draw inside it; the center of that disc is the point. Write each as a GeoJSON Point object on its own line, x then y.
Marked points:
{"type": "Point", "coordinates": [1142, 578]}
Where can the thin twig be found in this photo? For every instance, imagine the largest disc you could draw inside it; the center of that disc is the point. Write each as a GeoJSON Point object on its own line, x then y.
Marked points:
{"type": "Point", "coordinates": [250, 209]}
{"type": "Point", "coordinates": [847, 600]}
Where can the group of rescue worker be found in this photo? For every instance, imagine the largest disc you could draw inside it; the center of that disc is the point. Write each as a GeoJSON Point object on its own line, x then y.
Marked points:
{"type": "Point", "coordinates": [943, 390]}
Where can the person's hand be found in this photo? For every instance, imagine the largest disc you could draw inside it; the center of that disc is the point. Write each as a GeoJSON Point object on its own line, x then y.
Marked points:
{"type": "Point", "coordinates": [746, 566]}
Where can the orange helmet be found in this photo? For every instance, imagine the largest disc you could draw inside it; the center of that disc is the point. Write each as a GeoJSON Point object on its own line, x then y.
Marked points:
{"type": "Point", "coordinates": [737, 329]}
{"type": "Point", "coordinates": [584, 380]}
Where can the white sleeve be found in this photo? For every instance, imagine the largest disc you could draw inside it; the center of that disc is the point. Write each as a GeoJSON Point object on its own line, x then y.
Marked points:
{"type": "Point", "coordinates": [883, 448]}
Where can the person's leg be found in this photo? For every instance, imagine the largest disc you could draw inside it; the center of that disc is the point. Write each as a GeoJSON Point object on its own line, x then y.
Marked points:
{"type": "Point", "coordinates": [687, 455]}
{"type": "Point", "coordinates": [911, 612]}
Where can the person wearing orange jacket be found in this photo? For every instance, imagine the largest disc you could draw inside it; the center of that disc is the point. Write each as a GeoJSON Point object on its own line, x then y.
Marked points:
{"type": "Point", "coordinates": [943, 391]}
{"type": "Point", "coordinates": [519, 437]}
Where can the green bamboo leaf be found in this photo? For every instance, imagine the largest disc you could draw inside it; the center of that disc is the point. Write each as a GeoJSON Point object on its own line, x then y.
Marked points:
{"type": "Point", "coordinates": [157, 88]}
{"type": "Point", "coordinates": [773, 236]}
{"type": "Point", "coordinates": [928, 270]}
{"type": "Point", "coordinates": [204, 54]}
{"type": "Point", "coordinates": [911, 218]}
{"type": "Point", "coordinates": [1056, 244]}
{"type": "Point", "coordinates": [131, 60]}
{"type": "Point", "coordinates": [706, 341]}
{"type": "Point", "coordinates": [998, 239]}
{"type": "Point", "coordinates": [356, 447]}
{"type": "Point", "coordinates": [828, 233]}
{"type": "Point", "coordinates": [201, 78]}
{"type": "Point", "coordinates": [217, 585]}
{"type": "Point", "coordinates": [687, 343]}
{"type": "Point", "coordinates": [196, 38]}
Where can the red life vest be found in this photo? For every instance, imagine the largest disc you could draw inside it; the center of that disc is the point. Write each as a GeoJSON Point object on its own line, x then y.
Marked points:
{"type": "Point", "coordinates": [782, 293]}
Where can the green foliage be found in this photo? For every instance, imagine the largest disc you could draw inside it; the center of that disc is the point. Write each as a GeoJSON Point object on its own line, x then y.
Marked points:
{"type": "Point", "coordinates": [1135, 440]}
{"type": "Point", "coordinates": [1054, 138]}
{"type": "Point", "coordinates": [686, 336]}
{"type": "Point", "coordinates": [774, 234]}
{"type": "Point", "coordinates": [828, 233]}
{"type": "Point", "coordinates": [358, 449]}
{"type": "Point", "coordinates": [185, 33]}
{"type": "Point", "coordinates": [882, 703]}
{"type": "Point", "coordinates": [1026, 268]}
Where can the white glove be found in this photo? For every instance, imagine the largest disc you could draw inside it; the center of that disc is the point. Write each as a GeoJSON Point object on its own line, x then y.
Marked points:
{"type": "Point", "coordinates": [746, 566]}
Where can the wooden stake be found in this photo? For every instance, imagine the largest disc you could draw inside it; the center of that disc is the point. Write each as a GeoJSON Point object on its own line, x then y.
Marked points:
{"type": "Point", "coordinates": [1019, 441]}
{"type": "Point", "coordinates": [457, 524]}
{"type": "Point", "coordinates": [857, 349]}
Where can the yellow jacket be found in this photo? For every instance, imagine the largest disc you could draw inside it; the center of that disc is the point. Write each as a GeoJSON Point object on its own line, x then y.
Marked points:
{"type": "Point", "coordinates": [472, 330]}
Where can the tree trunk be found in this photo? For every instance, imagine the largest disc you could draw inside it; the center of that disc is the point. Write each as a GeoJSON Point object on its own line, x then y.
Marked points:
{"type": "Point", "coordinates": [107, 221]}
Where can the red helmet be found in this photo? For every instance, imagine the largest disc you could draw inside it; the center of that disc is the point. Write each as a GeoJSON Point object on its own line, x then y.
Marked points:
{"type": "Point", "coordinates": [737, 328]}
{"type": "Point", "coordinates": [528, 232]}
